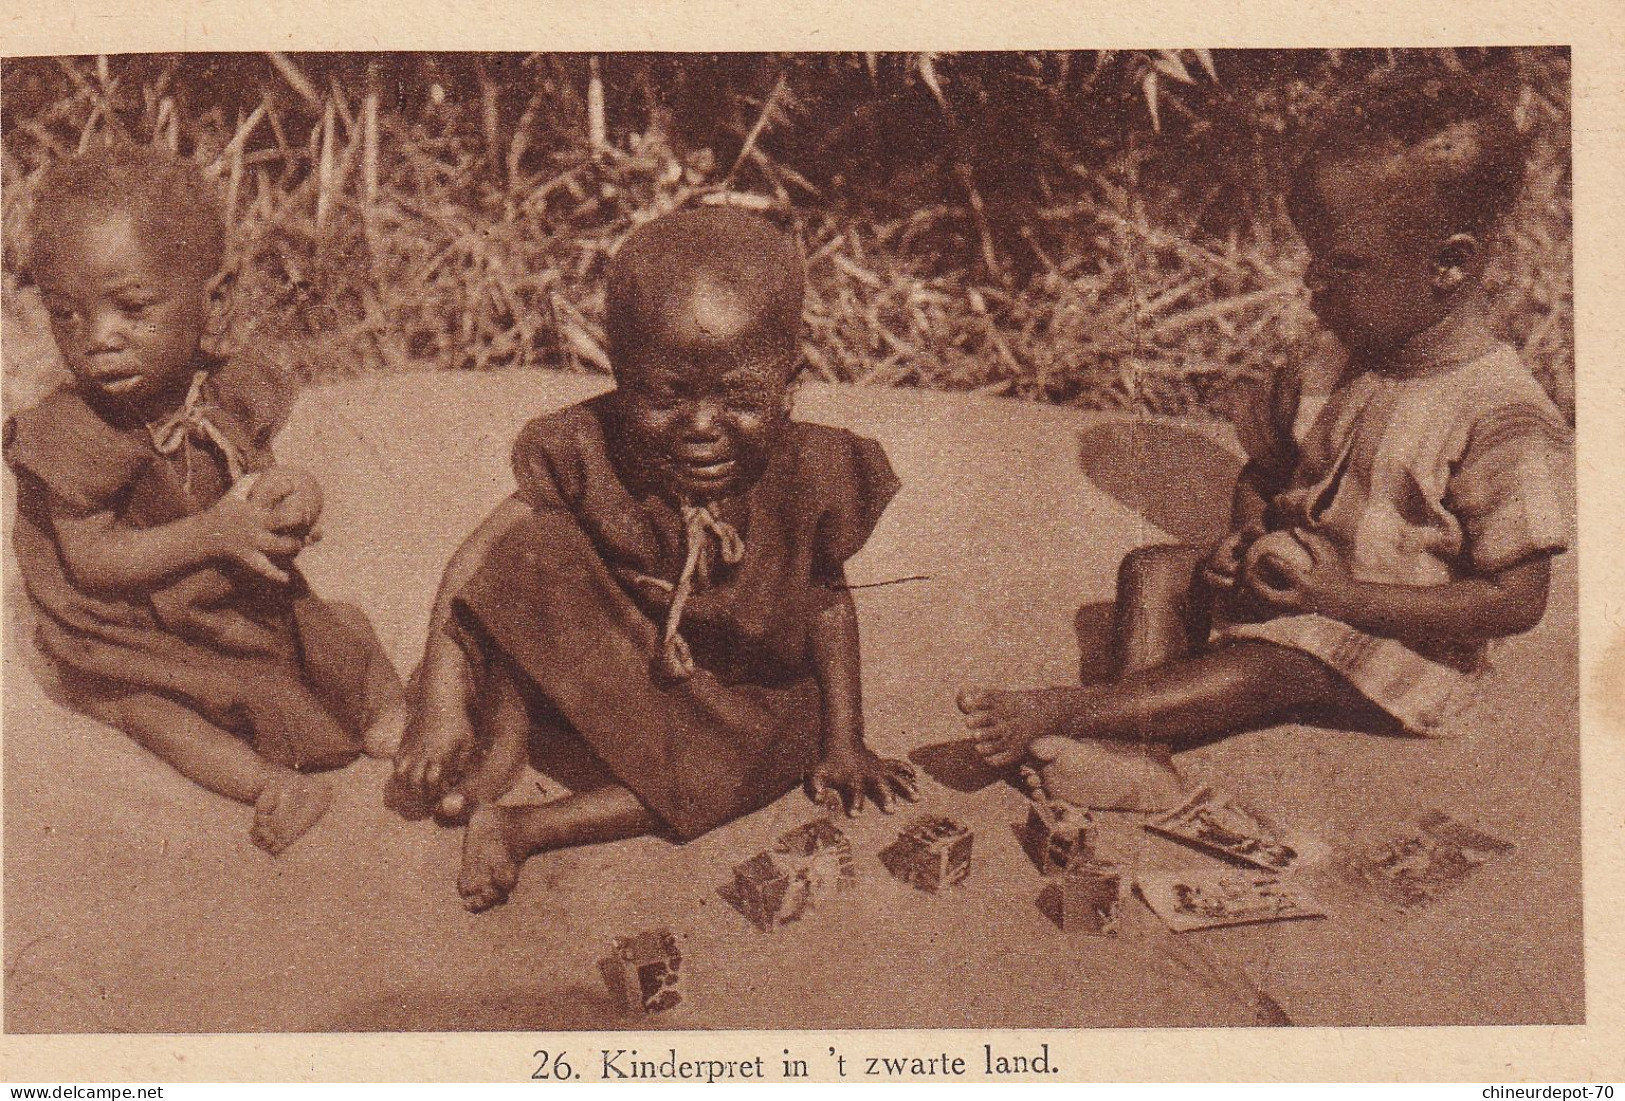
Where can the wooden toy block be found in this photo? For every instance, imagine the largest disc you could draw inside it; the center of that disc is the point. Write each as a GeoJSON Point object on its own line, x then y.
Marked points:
{"type": "Point", "coordinates": [644, 972]}
{"type": "Point", "coordinates": [821, 842]}
{"type": "Point", "coordinates": [786, 882]}
{"type": "Point", "coordinates": [1057, 834]}
{"type": "Point", "coordinates": [1090, 894]}
{"type": "Point", "coordinates": [932, 854]}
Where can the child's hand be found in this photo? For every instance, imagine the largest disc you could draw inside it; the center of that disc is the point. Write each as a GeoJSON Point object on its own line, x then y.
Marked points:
{"type": "Point", "coordinates": [294, 498]}
{"type": "Point", "coordinates": [848, 778]}
{"type": "Point", "coordinates": [1296, 572]}
{"type": "Point", "coordinates": [244, 531]}
{"type": "Point", "coordinates": [1223, 564]}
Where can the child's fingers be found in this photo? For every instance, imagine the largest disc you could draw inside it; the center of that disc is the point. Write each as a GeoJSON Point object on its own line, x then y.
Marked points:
{"type": "Point", "coordinates": [880, 790]}
{"type": "Point", "coordinates": [271, 543]}
{"type": "Point", "coordinates": [906, 786]}
{"type": "Point", "coordinates": [431, 776]}
{"type": "Point", "coordinates": [855, 801]}
{"type": "Point", "coordinates": [820, 792]}
{"type": "Point", "coordinates": [977, 720]}
{"type": "Point", "coordinates": [266, 568]}
{"type": "Point", "coordinates": [900, 776]}
{"type": "Point", "coordinates": [1283, 594]}
{"type": "Point", "coordinates": [894, 786]}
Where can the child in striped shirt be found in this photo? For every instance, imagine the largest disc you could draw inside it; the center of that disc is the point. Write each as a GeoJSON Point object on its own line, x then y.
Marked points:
{"type": "Point", "coordinates": [1391, 522]}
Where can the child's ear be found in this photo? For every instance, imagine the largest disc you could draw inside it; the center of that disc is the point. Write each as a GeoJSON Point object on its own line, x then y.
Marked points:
{"type": "Point", "coordinates": [797, 375]}
{"type": "Point", "coordinates": [217, 326]}
{"type": "Point", "coordinates": [1453, 261]}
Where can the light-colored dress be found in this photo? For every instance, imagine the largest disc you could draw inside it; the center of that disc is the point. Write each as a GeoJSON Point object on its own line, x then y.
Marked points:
{"type": "Point", "coordinates": [1420, 477]}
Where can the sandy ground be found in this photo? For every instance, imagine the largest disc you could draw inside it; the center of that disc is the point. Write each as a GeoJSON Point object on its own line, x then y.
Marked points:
{"type": "Point", "coordinates": [134, 902]}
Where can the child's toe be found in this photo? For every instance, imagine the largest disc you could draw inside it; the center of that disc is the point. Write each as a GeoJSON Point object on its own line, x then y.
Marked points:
{"type": "Point", "coordinates": [973, 699]}
{"type": "Point", "coordinates": [1049, 747]}
{"type": "Point", "coordinates": [453, 808]}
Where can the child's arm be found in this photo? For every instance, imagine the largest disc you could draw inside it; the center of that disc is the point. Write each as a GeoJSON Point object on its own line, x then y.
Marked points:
{"type": "Point", "coordinates": [106, 556]}
{"type": "Point", "coordinates": [1254, 488]}
{"type": "Point", "coordinates": [1495, 605]}
{"type": "Point", "coordinates": [197, 604]}
{"type": "Point", "coordinates": [850, 770]}
{"type": "Point", "coordinates": [440, 734]}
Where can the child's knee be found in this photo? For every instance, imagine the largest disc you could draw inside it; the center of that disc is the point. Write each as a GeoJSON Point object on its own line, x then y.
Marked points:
{"type": "Point", "coordinates": [1162, 569]}
{"type": "Point", "coordinates": [356, 622]}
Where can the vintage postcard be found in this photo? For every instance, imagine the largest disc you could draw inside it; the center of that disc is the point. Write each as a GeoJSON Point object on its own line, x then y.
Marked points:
{"type": "Point", "coordinates": [781, 541]}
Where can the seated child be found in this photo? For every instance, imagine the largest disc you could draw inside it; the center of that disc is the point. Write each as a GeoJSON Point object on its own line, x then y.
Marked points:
{"type": "Point", "coordinates": [154, 535]}
{"type": "Point", "coordinates": [661, 608]}
{"type": "Point", "coordinates": [1383, 534]}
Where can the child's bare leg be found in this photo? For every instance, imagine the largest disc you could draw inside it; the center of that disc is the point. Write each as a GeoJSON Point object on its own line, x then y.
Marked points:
{"type": "Point", "coordinates": [1108, 747]}
{"type": "Point", "coordinates": [506, 721]}
{"type": "Point", "coordinates": [1157, 620]}
{"type": "Point", "coordinates": [1231, 688]}
{"type": "Point", "coordinates": [286, 803]}
{"type": "Point", "coordinates": [500, 839]}
{"type": "Point", "coordinates": [440, 734]}
{"type": "Point", "coordinates": [440, 737]}
{"type": "Point", "coordinates": [383, 696]}
{"type": "Point", "coordinates": [1158, 615]}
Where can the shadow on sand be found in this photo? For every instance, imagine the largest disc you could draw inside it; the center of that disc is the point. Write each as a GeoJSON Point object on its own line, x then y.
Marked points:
{"type": "Point", "coordinates": [577, 1007]}
{"type": "Point", "coordinates": [1178, 478]}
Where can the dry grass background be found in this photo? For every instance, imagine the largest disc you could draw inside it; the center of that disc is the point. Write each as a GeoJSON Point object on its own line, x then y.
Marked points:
{"type": "Point", "coordinates": [1099, 228]}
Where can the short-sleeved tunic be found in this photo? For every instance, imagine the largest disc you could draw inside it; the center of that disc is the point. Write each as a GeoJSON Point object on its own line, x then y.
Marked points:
{"type": "Point", "coordinates": [565, 597]}
{"type": "Point", "coordinates": [1420, 477]}
{"type": "Point", "coordinates": [299, 701]}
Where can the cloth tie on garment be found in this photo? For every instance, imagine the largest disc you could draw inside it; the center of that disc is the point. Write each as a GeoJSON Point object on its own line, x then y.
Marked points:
{"type": "Point", "coordinates": [700, 527]}
{"type": "Point", "coordinates": [191, 422]}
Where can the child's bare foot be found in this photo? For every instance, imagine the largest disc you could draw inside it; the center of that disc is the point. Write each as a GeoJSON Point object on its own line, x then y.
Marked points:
{"type": "Point", "coordinates": [490, 866]}
{"type": "Point", "coordinates": [290, 804]}
{"type": "Point", "coordinates": [1105, 775]}
{"type": "Point", "coordinates": [432, 755]}
{"type": "Point", "coordinates": [1004, 724]}
{"type": "Point", "coordinates": [382, 738]}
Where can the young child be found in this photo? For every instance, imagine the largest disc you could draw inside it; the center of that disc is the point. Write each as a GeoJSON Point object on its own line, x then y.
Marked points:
{"type": "Point", "coordinates": [154, 535]}
{"type": "Point", "coordinates": [1383, 534]}
{"type": "Point", "coordinates": [661, 608]}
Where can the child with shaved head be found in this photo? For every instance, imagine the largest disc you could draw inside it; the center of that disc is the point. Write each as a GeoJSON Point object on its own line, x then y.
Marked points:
{"type": "Point", "coordinates": [1401, 506]}
{"type": "Point", "coordinates": [660, 610]}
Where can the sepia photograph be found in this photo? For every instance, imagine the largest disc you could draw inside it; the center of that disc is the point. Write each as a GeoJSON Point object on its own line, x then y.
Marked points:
{"type": "Point", "coordinates": [589, 542]}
